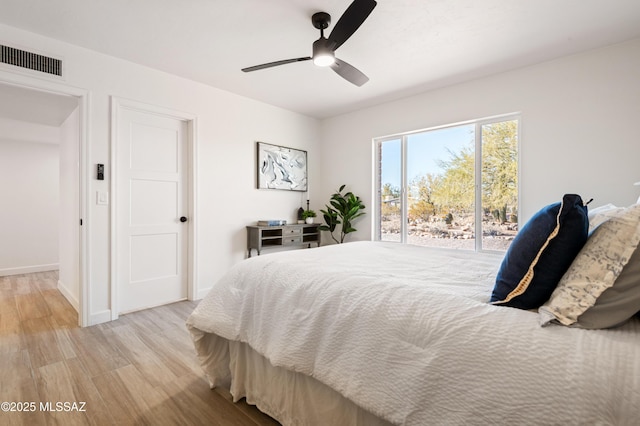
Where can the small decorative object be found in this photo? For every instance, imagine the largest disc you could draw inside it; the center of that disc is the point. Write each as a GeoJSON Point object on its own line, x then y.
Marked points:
{"type": "Point", "coordinates": [280, 167]}
{"type": "Point", "coordinates": [300, 212]}
{"type": "Point", "coordinates": [343, 210]}
{"type": "Point", "coordinates": [308, 216]}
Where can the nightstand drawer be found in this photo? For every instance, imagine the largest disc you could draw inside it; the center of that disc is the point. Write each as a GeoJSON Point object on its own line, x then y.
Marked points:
{"type": "Point", "coordinates": [291, 239]}
{"type": "Point", "coordinates": [292, 231]}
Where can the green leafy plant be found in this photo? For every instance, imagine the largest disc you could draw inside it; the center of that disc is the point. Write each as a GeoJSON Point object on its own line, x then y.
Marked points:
{"type": "Point", "coordinates": [343, 210]}
{"type": "Point", "coordinates": [308, 213]}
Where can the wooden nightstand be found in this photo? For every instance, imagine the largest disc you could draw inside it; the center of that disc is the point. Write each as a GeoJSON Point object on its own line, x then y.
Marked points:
{"type": "Point", "coordinates": [260, 237]}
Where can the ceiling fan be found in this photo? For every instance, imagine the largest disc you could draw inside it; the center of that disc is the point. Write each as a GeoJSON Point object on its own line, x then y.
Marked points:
{"type": "Point", "coordinates": [324, 48]}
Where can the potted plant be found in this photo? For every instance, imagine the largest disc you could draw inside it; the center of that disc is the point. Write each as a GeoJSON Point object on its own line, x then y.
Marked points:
{"type": "Point", "coordinates": [308, 216]}
{"type": "Point", "coordinates": [344, 209]}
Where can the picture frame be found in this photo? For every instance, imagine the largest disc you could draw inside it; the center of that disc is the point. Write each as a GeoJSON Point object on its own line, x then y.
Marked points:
{"type": "Point", "coordinates": [281, 167]}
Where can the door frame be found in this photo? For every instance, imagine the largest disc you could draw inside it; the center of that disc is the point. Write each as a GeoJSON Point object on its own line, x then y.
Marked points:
{"type": "Point", "coordinates": [84, 244]}
{"type": "Point", "coordinates": [117, 104]}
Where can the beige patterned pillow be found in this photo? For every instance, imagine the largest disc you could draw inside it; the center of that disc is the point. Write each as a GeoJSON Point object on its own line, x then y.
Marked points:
{"type": "Point", "coordinates": [595, 269]}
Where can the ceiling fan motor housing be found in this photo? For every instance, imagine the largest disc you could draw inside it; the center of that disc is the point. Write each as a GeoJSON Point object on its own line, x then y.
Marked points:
{"type": "Point", "coordinates": [323, 55]}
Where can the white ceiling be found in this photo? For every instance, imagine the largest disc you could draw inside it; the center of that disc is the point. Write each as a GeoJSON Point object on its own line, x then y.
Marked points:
{"type": "Point", "coordinates": [405, 47]}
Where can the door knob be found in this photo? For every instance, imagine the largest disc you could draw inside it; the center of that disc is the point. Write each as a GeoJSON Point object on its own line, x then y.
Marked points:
{"type": "Point", "coordinates": [183, 219]}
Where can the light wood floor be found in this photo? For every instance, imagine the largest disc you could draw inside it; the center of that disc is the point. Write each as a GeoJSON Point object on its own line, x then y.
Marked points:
{"type": "Point", "coordinates": [138, 370]}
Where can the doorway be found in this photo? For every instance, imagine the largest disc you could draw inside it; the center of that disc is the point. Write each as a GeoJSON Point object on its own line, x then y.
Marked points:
{"type": "Point", "coordinates": [43, 126]}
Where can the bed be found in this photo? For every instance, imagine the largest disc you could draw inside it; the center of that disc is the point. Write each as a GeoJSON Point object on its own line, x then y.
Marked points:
{"type": "Point", "coordinates": [375, 333]}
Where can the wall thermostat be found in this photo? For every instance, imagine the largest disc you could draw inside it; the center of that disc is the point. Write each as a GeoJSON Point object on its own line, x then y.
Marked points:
{"type": "Point", "coordinates": [100, 172]}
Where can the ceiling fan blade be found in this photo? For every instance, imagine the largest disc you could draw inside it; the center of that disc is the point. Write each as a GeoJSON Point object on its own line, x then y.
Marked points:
{"type": "Point", "coordinates": [275, 64]}
{"type": "Point", "coordinates": [349, 72]}
{"type": "Point", "coordinates": [350, 21]}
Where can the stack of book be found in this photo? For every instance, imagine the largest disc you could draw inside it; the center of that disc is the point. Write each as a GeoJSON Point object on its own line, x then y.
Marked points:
{"type": "Point", "coordinates": [277, 222]}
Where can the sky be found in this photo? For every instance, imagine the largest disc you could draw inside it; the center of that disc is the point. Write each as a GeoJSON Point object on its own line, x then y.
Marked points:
{"type": "Point", "coordinates": [423, 152]}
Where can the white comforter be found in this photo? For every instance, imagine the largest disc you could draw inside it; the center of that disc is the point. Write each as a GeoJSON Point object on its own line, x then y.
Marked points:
{"type": "Point", "coordinates": [406, 333]}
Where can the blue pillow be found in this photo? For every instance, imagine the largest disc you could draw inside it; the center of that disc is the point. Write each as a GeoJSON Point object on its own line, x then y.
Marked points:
{"type": "Point", "coordinates": [541, 253]}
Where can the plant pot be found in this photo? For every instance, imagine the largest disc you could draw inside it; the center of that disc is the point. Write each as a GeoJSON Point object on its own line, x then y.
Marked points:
{"type": "Point", "coordinates": [309, 220]}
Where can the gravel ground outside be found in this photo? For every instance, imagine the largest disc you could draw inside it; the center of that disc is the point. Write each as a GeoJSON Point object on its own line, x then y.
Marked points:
{"type": "Point", "coordinates": [454, 236]}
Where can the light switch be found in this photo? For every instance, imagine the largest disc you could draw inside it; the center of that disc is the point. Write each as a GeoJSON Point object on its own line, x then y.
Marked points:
{"type": "Point", "coordinates": [102, 198]}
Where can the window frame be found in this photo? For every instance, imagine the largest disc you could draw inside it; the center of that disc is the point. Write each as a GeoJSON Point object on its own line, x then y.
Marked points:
{"type": "Point", "coordinates": [403, 138]}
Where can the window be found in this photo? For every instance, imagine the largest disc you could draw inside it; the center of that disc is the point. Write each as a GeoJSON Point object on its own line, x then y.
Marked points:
{"type": "Point", "coordinates": [443, 187]}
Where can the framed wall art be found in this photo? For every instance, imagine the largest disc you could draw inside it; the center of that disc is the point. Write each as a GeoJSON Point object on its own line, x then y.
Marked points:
{"type": "Point", "coordinates": [280, 167]}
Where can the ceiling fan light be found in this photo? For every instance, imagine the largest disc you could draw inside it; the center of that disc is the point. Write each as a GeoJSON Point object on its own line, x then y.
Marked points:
{"type": "Point", "coordinates": [322, 55]}
{"type": "Point", "coordinates": [324, 60]}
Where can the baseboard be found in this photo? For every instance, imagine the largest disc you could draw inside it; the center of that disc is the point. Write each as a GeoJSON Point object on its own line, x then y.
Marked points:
{"type": "Point", "coordinates": [100, 317]}
{"type": "Point", "coordinates": [68, 295]}
{"type": "Point", "coordinates": [29, 269]}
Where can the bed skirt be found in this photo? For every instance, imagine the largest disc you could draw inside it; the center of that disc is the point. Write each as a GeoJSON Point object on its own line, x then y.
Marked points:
{"type": "Point", "coordinates": [289, 397]}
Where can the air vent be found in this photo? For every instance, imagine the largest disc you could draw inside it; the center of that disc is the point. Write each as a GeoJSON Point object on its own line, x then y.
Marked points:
{"type": "Point", "coordinates": [30, 60]}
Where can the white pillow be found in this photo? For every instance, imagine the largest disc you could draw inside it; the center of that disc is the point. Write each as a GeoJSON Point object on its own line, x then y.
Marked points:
{"type": "Point", "coordinates": [601, 214]}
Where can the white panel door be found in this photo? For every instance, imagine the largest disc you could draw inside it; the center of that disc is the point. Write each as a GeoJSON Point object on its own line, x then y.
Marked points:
{"type": "Point", "coordinates": [152, 235]}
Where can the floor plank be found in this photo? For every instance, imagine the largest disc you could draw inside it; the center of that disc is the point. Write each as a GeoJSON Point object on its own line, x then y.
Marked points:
{"type": "Point", "coordinates": [138, 370]}
{"type": "Point", "coordinates": [55, 385]}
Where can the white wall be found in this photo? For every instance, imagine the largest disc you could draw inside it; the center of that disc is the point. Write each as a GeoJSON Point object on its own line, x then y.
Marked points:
{"type": "Point", "coordinates": [29, 192]}
{"type": "Point", "coordinates": [579, 129]}
{"type": "Point", "coordinates": [228, 126]}
{"type": "Point", "coordinates": [69, 229]}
